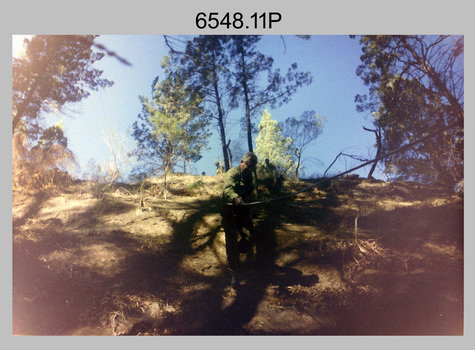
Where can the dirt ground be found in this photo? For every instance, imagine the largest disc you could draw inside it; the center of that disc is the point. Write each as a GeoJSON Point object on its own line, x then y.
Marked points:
{"type": "Point", "coordinates": [350, 257]}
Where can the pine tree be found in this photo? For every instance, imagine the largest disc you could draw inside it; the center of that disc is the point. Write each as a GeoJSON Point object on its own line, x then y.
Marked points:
{"type": "Point", "coordinates": [416, 86]}
{"type": "Point", "coordinates": [56, 70]}
{"type": "Point", "coordinates": [172, 127]}
{"type": "Point", "coordinates": [204, 65]}
{"type": "Point", "coordinates": [250, 67]}
{"type": "Point", "coordinates": [270, 144]}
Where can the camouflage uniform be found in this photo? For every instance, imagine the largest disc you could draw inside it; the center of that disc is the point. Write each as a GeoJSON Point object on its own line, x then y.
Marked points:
{"type": "Point", "coordinates": [219, 169]}
{"type": "Point", "coordinates": [237, 184]}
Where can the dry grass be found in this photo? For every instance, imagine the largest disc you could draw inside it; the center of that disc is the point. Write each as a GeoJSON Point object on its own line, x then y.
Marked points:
{"type": "Point", "coordinates": [348, 258]}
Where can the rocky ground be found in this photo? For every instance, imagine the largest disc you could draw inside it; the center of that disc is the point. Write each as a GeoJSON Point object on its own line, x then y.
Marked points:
{"type": "Point", "coordinates": [350, 257]}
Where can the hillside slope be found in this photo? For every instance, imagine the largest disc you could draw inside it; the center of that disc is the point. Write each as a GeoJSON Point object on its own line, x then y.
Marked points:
{"type": "Point", "coordinates": [350, 257]}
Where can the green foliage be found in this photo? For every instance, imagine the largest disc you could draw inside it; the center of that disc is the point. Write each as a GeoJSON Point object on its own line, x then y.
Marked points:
{"type": "Point", "coordinates": [229, 73]}
{"type": "Point", "coordinates": [173, 127]}
{"type": "Point", "coordinates": [52, 135]}
{"type": "Point", "coordinates": [251, 67]}
{"type": "Point", "coordinates": [56, 70]}
{"type": "Point", "coordinates": [270, 144]}
{"type": "Point", "coordinates": [416, 87]}
{"type": "Point", "coordinates": [204, 66]}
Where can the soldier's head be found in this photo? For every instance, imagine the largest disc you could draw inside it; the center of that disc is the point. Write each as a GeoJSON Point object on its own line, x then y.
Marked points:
{"type": "Point", "coordinates": [248, 162]}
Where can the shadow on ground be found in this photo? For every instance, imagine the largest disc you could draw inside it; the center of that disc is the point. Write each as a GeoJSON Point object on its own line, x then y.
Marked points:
{"type": "Point", "coordinates": [79, 275]}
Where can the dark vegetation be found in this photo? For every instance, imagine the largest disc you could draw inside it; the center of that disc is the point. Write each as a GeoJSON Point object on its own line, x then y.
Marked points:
{"type": "Point", "coordinates": [348, 257]}
{"type": "Point", "coordinates": [351, 257]}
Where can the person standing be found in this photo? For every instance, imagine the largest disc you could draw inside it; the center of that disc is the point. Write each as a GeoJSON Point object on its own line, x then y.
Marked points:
{"type": "Point", "coordinates": [239, 187]}
{"type": "Point", "coordinates": [219, 168]}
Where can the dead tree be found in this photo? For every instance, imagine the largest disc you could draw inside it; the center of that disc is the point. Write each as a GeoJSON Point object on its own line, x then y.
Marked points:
{"type": "Point", "coordinates": [377, 133]}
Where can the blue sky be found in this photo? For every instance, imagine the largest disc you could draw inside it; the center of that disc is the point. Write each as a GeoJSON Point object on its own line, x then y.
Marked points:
{"type": "Point", "coordinates": [332, 60]}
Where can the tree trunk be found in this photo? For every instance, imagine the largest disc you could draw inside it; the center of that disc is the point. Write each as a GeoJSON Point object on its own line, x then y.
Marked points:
{"type": "Point", "coordinates": [222, 131]}
{"type": "Point", "coordinates": [246, 100]}
{"type": "Point", "coordinates": [377, 133]}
